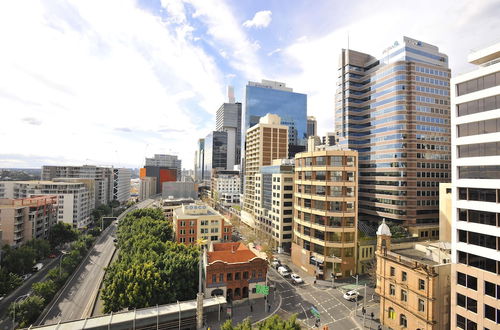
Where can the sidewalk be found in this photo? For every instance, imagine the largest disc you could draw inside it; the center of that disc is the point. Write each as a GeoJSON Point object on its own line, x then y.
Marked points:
{"type": "Point", "coordinates": [241, 310]}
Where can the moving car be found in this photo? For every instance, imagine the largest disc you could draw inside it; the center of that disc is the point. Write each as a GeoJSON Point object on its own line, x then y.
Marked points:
{"type": "Point", "coordinates": [351, 295]}
{"type": "Point", "coordinates": [37, 267]}
{"type": "Point", "coordinates": [283, 271]}
{"type": "Point", "coordinates": [296, 278]}
{"type": "Point", "coordinates": [287, 268]}
{"type": "Point", "coordinates": [26, 276]}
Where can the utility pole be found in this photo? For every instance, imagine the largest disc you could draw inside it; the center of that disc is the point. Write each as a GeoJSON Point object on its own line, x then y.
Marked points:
{"type": "Point", "coordinates": [199, 296]}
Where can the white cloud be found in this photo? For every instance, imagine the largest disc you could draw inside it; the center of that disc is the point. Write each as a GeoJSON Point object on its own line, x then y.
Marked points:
{"type": "Point", "coordinates": [101, 81]}
{"type": "Point", "coordinates": [261, 19]}
{"type": "Point", "coordinates": [271, 53]}
{"type": "Point", "coordinates": [464, 26]}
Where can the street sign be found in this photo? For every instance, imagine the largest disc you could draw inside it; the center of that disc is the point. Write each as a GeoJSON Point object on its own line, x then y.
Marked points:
{"type": "Point", "coordinates": [314, 311]}
{"type": "Point", "coordinates": [262, 289]}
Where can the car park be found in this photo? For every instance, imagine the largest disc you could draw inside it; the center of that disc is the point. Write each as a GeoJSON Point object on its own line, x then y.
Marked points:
{"type": "Point", "coordinates": [296, 279]}
{"type": "Point", "coordinates": [283, 271]}
{"type": "Point", "coordinates": [351, 295]}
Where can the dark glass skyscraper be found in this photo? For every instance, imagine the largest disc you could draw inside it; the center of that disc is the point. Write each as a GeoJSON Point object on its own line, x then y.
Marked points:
{"type": "Point", "coordinates": [274, 97]}
{"type": "Point", "coordinates": [215, 153]}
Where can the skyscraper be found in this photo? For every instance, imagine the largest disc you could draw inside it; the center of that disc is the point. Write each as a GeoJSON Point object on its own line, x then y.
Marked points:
{"type": "Point", "coordinates": [228, 119]}
{"type": "Point", "coordinates": [274, 97]}
{"type": "Point", "coordinates": [199, 161]}
{"type": "Point", "coordinates": [215, 154]}
{"type": "Point", "coordinates": [312, 126]}
{"type": "Point", "coordinates": [395, 111]}
{"type": "Point", "coordinates": [265, 141]}
{"type": "Point", "coordinates": [475, 294]}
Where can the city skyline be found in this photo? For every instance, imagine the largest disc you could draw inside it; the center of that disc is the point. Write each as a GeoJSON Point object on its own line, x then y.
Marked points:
{"type": "Point", "coordinates": [162, 67]}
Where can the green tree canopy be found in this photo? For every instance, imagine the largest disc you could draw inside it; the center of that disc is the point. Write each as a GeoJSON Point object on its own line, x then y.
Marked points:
{"type": "Point", "coordinates": [275, 322]}
{"type": "Point", "coordinates": [20, 260]}
{"type": "Point", "coordinates": [62, 233]}
{"type": "Point", "coordinates": [27, 311]}
{"type": "Point", "coordinates": [46, 289]}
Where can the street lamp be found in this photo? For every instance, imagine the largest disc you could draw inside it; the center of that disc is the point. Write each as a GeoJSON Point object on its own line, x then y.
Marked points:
{"type": "Point", "coordinates": [14, 309]}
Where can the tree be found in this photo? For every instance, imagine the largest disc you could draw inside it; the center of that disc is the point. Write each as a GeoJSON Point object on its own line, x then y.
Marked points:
{"type": "Point", "coordinates": [275, 322]}
{"type": "Point", "coordinates": [40, 246]}
{"type": "Point", "coordinates": [62, 233]}
{"type": "Point", "coordinates": [28, 310]}
{"type": "Point", "coordinates": [19, 261]}
{"type": "Point", "coordinates": [8, 281]}
{"type": "Point", "coordinates": [245, 325]}
{"type": "Point", "coordinates": [46, 289]}
{"type": "Point", "coordinates": [397, 230]}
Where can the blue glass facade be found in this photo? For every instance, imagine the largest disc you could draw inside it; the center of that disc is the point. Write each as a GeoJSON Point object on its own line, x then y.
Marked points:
{"type": "Point", "coordinates": [290, 106]}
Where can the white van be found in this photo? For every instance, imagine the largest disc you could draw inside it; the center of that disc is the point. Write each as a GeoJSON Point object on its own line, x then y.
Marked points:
{"type": "Point", "coordinates": [283, 272]}
{"type": "Point", "coordinates": [37, 267]}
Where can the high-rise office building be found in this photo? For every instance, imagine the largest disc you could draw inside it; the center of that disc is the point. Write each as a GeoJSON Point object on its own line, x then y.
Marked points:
{"type": "Point", "coordinates": [312, 126]}
{"type": "Point", "coordinates": [325, 212]}
{"type": "Point", "coordinates": [215, 153]}
{"type": "Point", "coordinates": [199, 161]}
{"type": "Point", "coordinates": [274, 97]}
{"type": "Point", "coordinates": [395, 110]}
{"type": "Point", "coordinates": [475, 278]}
{"type": "Point", "coordinates": [228, 119]}
{"type": "Point", "coordinates": [265, 141]}
{"type": "Point", "coordinates": [169, 161]}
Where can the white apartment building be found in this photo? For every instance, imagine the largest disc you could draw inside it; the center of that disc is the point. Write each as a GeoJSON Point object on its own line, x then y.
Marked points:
{"type": "Point", "coordinates": [225, 187]}
{"type": "Point", "coordinates": [74, 198]}
{"type": "Point", "coordinates": [475, 119]}
{"type": "Point", "coordinates": [121, 184]}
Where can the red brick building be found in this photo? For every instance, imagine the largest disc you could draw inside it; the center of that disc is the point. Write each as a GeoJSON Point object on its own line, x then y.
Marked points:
{"type": "Point", "coordinates": [233, 270]}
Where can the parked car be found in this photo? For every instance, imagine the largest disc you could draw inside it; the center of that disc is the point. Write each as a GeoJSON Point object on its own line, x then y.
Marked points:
{"type": "Point", "coordinates": [26, 276]}
{"type": "Point", "coordinates": [283, 271]}
{"type": "Point", "coordinates": [351, 295]}
{"type": "Point", "coordinates": [37, 267]}
{"type": "Point", "coordinates": [296, 279]}
{"type": "Point", "coordinates": [275, 263]}
{"type": "Point", "coordinates": [287, 268]}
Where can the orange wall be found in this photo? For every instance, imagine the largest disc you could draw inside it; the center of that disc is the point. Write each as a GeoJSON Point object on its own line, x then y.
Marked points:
{"type": "Point", "coordinates": [142, 173]}
{"type": "Point", "coordinates": [168, 176]}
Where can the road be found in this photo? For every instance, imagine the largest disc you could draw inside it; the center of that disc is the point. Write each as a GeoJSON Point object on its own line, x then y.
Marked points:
{"type": "Point", "coordinates": [25, 288]}
{"type": "Point", "coordinates": [77, 298]}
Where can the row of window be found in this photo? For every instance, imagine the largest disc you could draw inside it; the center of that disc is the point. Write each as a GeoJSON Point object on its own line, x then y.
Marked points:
{"type": "Point", "coordinates": [479, 127]}
{"type": "Point", "coordinates": [330, 237]}
{"type": "Point", "coordinates": [403, 322]}
{"type": "Point", "coordinates": [478, 194]}
{"type": "Point", "coordinates": [431, 71]}
{"type": "Point", "coordinates": [434, 120]}
{"type": "Point", "coordinates": [432, 165]}
{"type": "Point", "coordinates": [433, 156]}
{"type": "Point", "coordinates": [381, 165]}
{"type": "Point", "coordinates": [329, 221]}
{"type": "Point", "coordinates": [423, 108]}
{"type": "Point", "coordinates": [483, 263]}
{"type": "Point", "coordinates": [432, 175]}
{"type": "Point", "coordinates": [432, 137]}
{"type": "Point", "coordinates": [428, 202]}
{"type": "Point", "coordinates": [349, 161]}
{"type": "Point", "coordinates": [386, 201]}
{"type": "Point", "coordinates": [334, 191]}
{"type": "Point", "coordinates": [333, 206]}
{"type": "Point", "coordinates": [237, 276]}
{"type": "Point", "coordinates": [429, 128]}
{"type": "Point", "coordinates": [478, 84]}
{"type": "Point", "coordinates": [384, 210]}
{"type": "Point", "coordinates": [487, 241]}
{"type": "Point", "coordinates": [469, 281]}
{"type": "Point", "coordinates": [431, 90]}
{"type": "Point", "coordinates": [331, 176]}
{"type": "Point", "coordinates": [479, 172]}
{"type": "Point", "coordinates": [479, 149]}
{"type": "Point", "coordinates": [491, 313]}
{"type": "Point", "coordinates": [432, 81]}
{"type": "Point", "coordinates": [482, 217]}
{"type": "Point", "coordinates": [426, 99]}
{"type": "Point", "coordinates": [391, 174]}
{"type": "Point", "coordinates": [384, 156]}
{"type": "Point", "coordinates": [384, 192]}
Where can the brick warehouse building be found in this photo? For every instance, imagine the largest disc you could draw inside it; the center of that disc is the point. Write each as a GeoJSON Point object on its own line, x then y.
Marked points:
{"type": "Point", "coordinates": [233, 270]}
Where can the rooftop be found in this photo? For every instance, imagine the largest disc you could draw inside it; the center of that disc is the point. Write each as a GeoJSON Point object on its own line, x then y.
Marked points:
{"type": "Point", "coordinates": [429, 253]}
{"type": "Point", "coordinates": [230, 253]}
{"type": "Point", "coordinates": [31, 201]}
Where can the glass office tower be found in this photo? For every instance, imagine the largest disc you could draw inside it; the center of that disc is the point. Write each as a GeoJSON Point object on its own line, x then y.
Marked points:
{"type": "Point", "coordinates": [215, 153]}
{"type": "Point", "coordinates": [274, 97]}
{"type": "Point", "coordinates": [395, 111]}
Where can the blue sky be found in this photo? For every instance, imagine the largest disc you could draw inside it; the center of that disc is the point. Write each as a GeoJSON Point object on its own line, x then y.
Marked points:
{"type": "Point", "coordinates": [112, 81]}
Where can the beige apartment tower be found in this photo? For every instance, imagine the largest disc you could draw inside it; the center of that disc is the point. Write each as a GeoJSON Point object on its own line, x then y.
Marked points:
{"type": "Point", "coordinates": [325, 212]}
{"type": "Point", "coordinates": [265, 141]}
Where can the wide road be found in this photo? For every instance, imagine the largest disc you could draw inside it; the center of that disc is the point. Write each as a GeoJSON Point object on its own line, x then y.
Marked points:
{"type": "Point", "coordinates": [77, 298]}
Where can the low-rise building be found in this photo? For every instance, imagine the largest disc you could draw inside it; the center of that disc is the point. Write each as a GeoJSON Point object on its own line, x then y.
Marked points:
{"type": "Point", "coordinates": [25, 219]}
{"type": "Point", "coordinates": [413, 282]}
{"type": "Point", "coordinates": [233, 270]}
{"type": "Point", "coordinates": [170, 204]}
{"type": "Point", "coordinates": [195, 221]}
{"type": "Point", "coordinates": [179, 190]}
{"type": "Point", "coordinates": [225, 187]}
{"type": "Point", "coordinates": [74, 198]}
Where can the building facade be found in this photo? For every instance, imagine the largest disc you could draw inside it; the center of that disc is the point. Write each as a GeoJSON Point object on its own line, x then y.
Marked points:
{"type": "Point", "coordinates": [312, 126]}
{"type": "Point", "coordinates": [274, 97]}
{"type": "Point", "coordinates": [179, 189]}
{"type": "Point", "coordinates": [199, 161]}
{"type": "Point", "coordinates": [168, 161]}
{"type": "Point", "coordinates": [232, 270]}
{"type": "Point", "coordinates": [325, 212]}
{"type": "Point", "coordinates": [24, 219]}
{"type": "Point", "coordinates": [395, 110]}
{"type": "Point", "coordinates": [225, 187]}
{"type": "Point", "coordinates": [228, 119]}
{"type": "Point", "coordinates": [265, 142]}
{"type": "Point", "coordinates": [413, 282]}
{"type": "Point", "coordinates": [215, 154]}
{"type": "Point", "coordinates": [73, 198]}
{"type": "Point", "coordinates": [162, 174]}
{"type": "Point", "coordinates": [193, 222]}
{"type": "Point", "coordinates": [147, 187]}
{"type": "Point", "coordinates": [274, 203]}
{"type": "Point", "coordinates": [475, 211]}
{"type": "Point", "coordinates": [121, 184]}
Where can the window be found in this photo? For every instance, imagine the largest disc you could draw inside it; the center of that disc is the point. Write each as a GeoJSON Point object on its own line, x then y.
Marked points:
{"type": "Point", "coordinates": [229, 276]}
{"type": "Point", "coordinates": [421, 305]}
{"type": "Point", "coordinates": [221, 277]}
{"type": "Point", "coordinates": [461, 300]}
{"type": "Point", "coordinates": [461, 279]}
{"type": "Point", "coordinates": [393, 271]}
{"type": "Point", "coordinates": [402, 321]}
{"type": "Point", "coordinates": [392, 290]}
{"type": "Point", "coordinates": [237, 276]}
{"type": "Point", "coordinates": [472, 304]}
{"type": "Point", "coordinates": [245, 275]}
{"type": "Point", "coordinates": [491, 289]}
{"type": "Point", "coordinates": [214, 278]}
{"type": "Point", "coordinates": [391, 313]}
{"type": "Point", "coordinates": [489, 313]}
{"type": "Point", "coordinates": [421, 284]}
{"type": "Point", "coordinates": [404, 296]}
{"type": "Point", "coordinates": [460, 321]}
{"type": "Point", "coordinates": [403, 276]}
